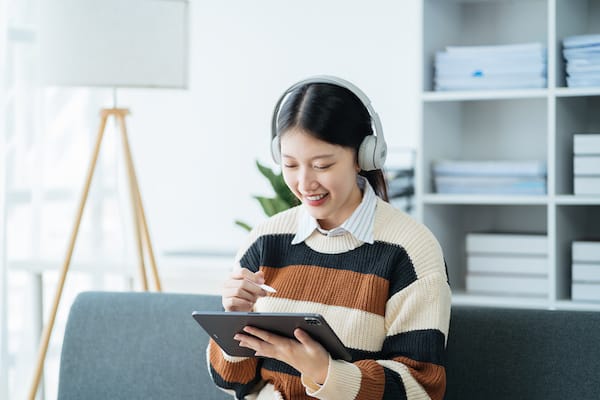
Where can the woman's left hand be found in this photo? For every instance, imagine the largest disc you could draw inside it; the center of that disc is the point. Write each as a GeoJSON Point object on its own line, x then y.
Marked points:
{"type": "Point", "coordinates": [304, 354]}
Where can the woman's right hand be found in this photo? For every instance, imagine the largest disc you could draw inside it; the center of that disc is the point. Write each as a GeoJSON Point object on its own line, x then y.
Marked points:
{"type": "Point", "coordinates": [239, 293]}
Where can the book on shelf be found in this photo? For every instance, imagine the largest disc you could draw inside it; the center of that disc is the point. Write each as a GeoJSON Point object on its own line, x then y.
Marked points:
{"type": "Point", "coordinates": [499, 49]}
{"type": "Point", "coordinates": [585, 291]}
{"type": "Point", "coordinates": [535, 286]}
{"type": "Point", "coordinates": [586, 272]}
{"type": "Point", "coordinates": [582, 55]}
{"type": "Point", "coordinates": [586, 143]}
{"type": "Point", "coordinates": [586, 164]}
{"type": "Point", "coordinates": [507, 264]}
{"type": "Point", "coordinates": [490, 185]}
{"type": "Point", "coordinates": [581, 40]}
{"type": "Point", "coordinates": [507, 243]}
{"type": "Point", "coordinates": [586, 185]}
{"type": "Point", "coordinates": [507, 168]}
{"type": "Point", "coordinates": [586, 251]}
{"type": "Point", "coordinates": [511, 66]}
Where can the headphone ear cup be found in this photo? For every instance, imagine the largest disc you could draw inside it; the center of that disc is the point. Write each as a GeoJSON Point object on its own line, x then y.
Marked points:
{"type": "Point", "coordinates": [366, 153]}
{"type": "Point", "coordinates": [372, 153]}
{"type": "Point", "coordinates": [276, 150]}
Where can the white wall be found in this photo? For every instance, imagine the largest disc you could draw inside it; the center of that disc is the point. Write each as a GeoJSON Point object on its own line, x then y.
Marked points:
{"type": "Point", "coordinates": [195, 149]}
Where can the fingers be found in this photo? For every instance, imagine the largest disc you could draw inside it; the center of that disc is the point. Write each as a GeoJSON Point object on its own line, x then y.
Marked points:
{"type": "Point", "coordinates": [240, 291]}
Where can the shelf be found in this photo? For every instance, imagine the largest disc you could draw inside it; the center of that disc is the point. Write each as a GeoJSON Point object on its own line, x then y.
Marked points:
{"type": "Point", "coordinates": [483, 199]}
{"type": "Point", "coordinates": [569, 200]}
{"type": "Point", "coordinates": [465, 299]}
{"type": "Point", "coordinates": [574, 92]}
{"type": "Point", "coordinates": [484, 95]}
{"type": "Point", "coordinates": [512, 124]}
{"type": "Point", "coordinates": [576, 305]}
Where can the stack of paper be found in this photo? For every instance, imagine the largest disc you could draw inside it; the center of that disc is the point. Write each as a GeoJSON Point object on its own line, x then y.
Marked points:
{"type": "Point", "coordinates": [582, 55]}
{"type": "Point", "coordinates": [507, 264]}
{"type": "Point", "coordinates": [512, 66]}
{"type": "Point", "coordinates": [490, 177]}
{"type": "Point", "coordinates": [586, 271]}
{"type": "Point", "coordinates": [586, 164]}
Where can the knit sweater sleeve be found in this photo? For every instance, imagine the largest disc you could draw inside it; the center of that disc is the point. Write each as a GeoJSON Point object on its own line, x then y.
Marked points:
{"type": "Point", "coordinates": [238, 376]}
{"type": "Point", "coordinates": [410, 364]}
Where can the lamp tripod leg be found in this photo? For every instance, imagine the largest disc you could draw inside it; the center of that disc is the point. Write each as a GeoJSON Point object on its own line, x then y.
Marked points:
{"type": "Point", "coordinates": [65, 267]}
{"type": "Point", "coordinates": [134, 194]}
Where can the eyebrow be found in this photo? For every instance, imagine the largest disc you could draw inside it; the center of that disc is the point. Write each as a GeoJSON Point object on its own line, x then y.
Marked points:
{"type": "Point", "coordinates": [313, 158]}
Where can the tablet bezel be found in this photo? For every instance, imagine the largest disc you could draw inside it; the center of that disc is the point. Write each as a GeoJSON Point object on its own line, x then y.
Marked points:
{"type": "Point", "coordinates": [221, 326]}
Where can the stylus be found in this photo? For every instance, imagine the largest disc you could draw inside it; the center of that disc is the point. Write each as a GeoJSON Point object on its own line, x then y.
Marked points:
{"type": "Point", "coordinates": [267, 288]}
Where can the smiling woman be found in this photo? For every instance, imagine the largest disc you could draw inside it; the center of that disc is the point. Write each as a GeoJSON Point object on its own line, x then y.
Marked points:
{"type": "Point", "coordinates": [376, 275]}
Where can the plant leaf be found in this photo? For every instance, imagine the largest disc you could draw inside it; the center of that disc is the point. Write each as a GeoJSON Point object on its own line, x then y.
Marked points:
{"type": "Point", "coordinates": [272, 205]}
{"type": "Point", "coordinates": [278, 184]}
{"type": "Point", "coordinates": [243, 225]}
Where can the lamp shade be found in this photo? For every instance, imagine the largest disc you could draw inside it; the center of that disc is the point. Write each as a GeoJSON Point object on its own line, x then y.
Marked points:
{"type": "Point", "coordinates": [114, 43]}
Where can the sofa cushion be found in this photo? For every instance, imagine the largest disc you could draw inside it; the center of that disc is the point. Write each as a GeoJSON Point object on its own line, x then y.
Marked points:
{"type": "Point", "coordinates": [523, 354]}
{"type": "Point", "coordinates": [136, 346]}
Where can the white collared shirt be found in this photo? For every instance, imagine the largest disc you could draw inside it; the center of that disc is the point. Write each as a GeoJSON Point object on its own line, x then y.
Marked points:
{"type": "Point", "coordinates": [359, 224]}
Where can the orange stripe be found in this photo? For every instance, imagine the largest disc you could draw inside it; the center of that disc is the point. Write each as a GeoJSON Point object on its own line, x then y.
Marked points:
{"type": "Point", "coordinates": [239, 372]}
{"type": "Point", "coordinates": [290, 385]}
{"type": "Point", "coordinates": [431, 376]}
{"type": "Point", "coordinates": [304, 282]}
{"type": "Point", "coordinates": [372, 381]}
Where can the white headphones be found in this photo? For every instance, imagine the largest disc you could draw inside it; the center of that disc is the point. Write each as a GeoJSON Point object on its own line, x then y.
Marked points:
{"type": "Point", "coordinates": [372, 151]}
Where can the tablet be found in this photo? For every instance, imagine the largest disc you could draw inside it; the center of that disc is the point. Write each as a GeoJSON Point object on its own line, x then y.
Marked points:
{"type": "Point", "coordinates": [222, 326]}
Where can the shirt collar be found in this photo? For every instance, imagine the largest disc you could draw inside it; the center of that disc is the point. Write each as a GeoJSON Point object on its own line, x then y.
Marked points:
{"type": "Point", "coordinates": [359, 224]}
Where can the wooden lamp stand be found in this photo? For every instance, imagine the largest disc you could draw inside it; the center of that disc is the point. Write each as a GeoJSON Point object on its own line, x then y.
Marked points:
{"type": "Point", "coordinates": [142, 235]}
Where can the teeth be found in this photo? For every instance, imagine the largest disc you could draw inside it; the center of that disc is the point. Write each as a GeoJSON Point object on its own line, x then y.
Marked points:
{"type": "Point", "coordinates": [316, 197]}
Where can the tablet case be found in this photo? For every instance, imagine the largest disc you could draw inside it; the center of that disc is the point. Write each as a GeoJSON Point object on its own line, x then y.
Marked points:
{"type": "Point", "coordinates": [222, 326]}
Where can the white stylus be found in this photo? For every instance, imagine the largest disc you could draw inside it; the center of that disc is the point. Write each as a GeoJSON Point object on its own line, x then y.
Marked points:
{"type": "Point", "coordinates": [266, 288]}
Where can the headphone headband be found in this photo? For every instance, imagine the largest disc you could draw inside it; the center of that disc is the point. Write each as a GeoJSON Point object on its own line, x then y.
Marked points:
{"type": "Point", "coordinates": [372, 152]}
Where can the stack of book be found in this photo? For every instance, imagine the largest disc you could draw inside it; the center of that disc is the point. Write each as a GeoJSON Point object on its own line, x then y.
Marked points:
{"type": "Point", "coordinates": [586, 271]}
{"type": "Point", "coordinates": [490, 177]}
{"type": "Point", "coordinates": [586, 164]}
{"type": "Point", "coordinates": [582, 56]}
{"type": "Point", "coordinates": [512, 66]}
{"type": "Point", "coordinates": [507, 264]}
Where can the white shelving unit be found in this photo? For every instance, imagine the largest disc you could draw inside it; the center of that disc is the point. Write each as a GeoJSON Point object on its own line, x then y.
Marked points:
{"type": "Point", "coordinates": [513, 125]}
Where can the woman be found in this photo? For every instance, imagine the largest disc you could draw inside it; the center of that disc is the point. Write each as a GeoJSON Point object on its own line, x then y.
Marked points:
{"type": "Point", "coordinates": [376, 275]}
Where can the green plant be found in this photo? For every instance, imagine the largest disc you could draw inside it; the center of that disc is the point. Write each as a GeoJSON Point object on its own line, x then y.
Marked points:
{"type": "Point", "coordinates": [283, 199]}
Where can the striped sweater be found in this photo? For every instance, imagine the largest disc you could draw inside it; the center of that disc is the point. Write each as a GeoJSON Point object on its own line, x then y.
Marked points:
{"type": "Point", "coordinates": [389, 303]}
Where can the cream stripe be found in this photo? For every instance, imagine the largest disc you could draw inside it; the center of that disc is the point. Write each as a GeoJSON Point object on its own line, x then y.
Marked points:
{"type": "Point", "coordinates": [394, 226]}
{"type": "Point", "coordinates": [228, 391]}
{"type": "Point", "coordinates": [425, 304]}
{"type": "Point", "coordinates": [342, 382]}
{"type": "Point", "coordinates": [284, 222]}
{"type": "Point", "coordinates": [355, 328]}
{"type": "Point", "coordinates": [414, 391]}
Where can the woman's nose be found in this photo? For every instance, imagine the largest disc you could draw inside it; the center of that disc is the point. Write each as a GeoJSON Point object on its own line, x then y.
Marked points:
{"type": "Point", "coordinates": [307, 180]}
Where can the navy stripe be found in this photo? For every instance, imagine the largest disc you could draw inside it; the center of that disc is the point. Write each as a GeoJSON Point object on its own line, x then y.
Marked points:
{"type": "Point", "coordinates": [394, 387]}
{"type": "Point", "coordinates": [427, 345]}
{"type": "Point", "coordinates": [274, 365]}
{"type": "Point", "coordinates": [386, 260]}
{"type": "Point", "coordinates": [240, 389]}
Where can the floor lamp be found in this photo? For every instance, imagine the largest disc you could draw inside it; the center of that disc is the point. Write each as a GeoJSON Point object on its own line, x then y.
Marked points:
{"type": "Point", "coordinates": [117, 44]}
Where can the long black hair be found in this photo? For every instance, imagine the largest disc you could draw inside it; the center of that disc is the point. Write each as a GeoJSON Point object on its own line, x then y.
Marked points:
{"type": "Point", "coordinates": [333, 114]}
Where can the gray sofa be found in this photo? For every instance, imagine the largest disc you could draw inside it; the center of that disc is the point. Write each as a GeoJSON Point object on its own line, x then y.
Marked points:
{"type": "Point", "coordinates": [147, 346]}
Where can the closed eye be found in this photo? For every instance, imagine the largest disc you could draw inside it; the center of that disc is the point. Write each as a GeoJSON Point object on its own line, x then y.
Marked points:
{"type": "Point", "coordinates": [322, 167]}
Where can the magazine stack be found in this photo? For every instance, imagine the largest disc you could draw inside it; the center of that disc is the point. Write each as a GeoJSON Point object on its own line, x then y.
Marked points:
{"type": "Point", "coordinates": [503, 177]}
{"type": "Point", "coordinates": [511, 66]}
{"type": "Point", "coordinates": [586, 164]}
{"type": "Point", "coordinates": [586, 271]}
{"type": "Point", "coordinates": [507, 264]}
{"type": "Point", "coordinates": [582, 56]}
